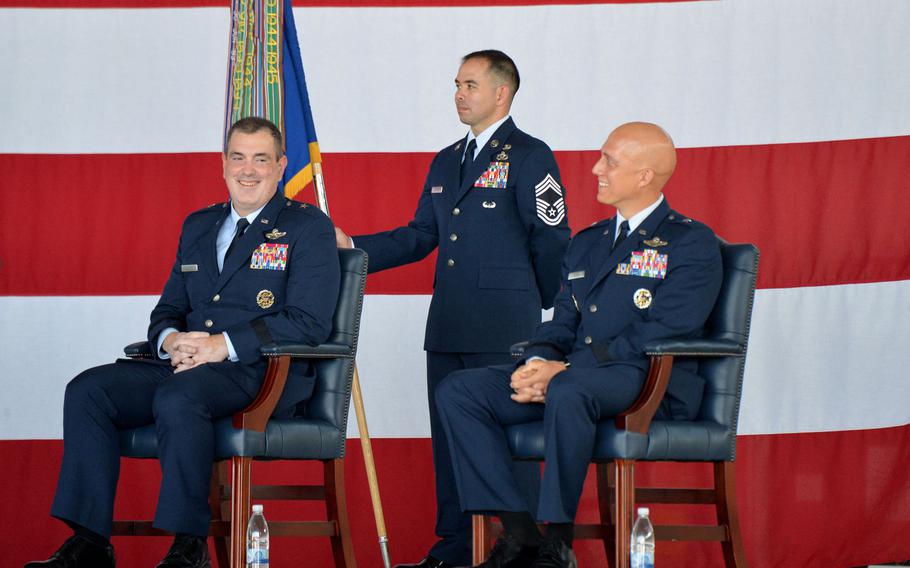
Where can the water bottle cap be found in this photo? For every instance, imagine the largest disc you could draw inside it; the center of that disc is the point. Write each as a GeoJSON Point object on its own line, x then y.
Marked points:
{"type": "Point", "coordinates": [257, 508]}
{"type": "Point", "coordinates": [643, 511]}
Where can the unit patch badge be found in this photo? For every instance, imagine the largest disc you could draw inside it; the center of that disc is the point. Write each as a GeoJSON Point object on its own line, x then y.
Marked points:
{"type": "Point", "coordinates": [270, 256]}
{"type": "Point", "coordinates": [496, 176]}
{"type": "Point", "coordinates": [550, 206]}
{"type": "Point", "coordinates": [265, 299]}
{"type": "Point", "coordinates": [642, 298]}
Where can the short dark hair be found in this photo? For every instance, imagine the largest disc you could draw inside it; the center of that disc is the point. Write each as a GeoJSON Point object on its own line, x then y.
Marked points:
{"type": "Point", "coordinates": [254, 124]}
{"type": "Point", "coordinates": [501, 65]}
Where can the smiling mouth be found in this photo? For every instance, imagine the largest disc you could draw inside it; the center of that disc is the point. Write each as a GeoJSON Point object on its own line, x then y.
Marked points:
{"type": "Point", "coordinates": [248, 183]}
{"type": "Point", "coordinates": [603, 184]}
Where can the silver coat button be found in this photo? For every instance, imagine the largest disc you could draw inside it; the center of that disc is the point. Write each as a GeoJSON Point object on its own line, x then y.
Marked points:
{"type": "Point", "coordinates": [209, 323]}
{"type": "Point", "coordinates": [592, 308]}
{"type": "Point", "coordinates": [450, 262]}
{"type": "Point", "coordinates": [453, 237]}
{"type": "Point", "coordinates": [456, 211]}
{"type": "Point", "coordinates": [588, 340]}
{"type": "Point", "coordinates": [217, 298]}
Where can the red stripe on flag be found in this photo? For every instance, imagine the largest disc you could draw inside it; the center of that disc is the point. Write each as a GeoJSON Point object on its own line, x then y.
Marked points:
{"type": "Point", "coordinates": [822, 213]}
{"type": "Point", "coordinates": [809, 500]}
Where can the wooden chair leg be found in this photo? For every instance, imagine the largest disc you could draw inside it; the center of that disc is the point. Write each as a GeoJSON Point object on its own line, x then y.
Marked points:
{"type": "Point", "coordinates": [728, 513]}
{"type": "Point", "coordinates": [220, 542]}
{"type": "Point", "coordinates": [481, 544]}
{"type": "Point", "coordinates": [240, 508]}
{"type": "Point", "coordinates": [337, 512]}
{"type": "Point", "coordinates": [625, 501]}
{"type": "Point", "coordinates": [605, 505]}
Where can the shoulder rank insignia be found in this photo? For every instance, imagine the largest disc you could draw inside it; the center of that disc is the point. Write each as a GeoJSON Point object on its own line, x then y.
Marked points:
{"type": "Point", "coordinates": [656, 242]}
{"type": "Point", "coordinates": [458, 146]}
{"type": "Point", "coordinates": [275, 234]}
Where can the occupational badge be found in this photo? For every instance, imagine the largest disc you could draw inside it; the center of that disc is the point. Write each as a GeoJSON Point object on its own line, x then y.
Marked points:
{"type": "Point", "coordinates": [656, 242]}
{"type": "Point", "coordinates": [496, 176]}
{"type": "Point", "coordinates": [270, 256]}
{"type": "Point", "coordinates": [642, 298]}
{"type": "Point", "coordinates": [507, 147]}
{"type": "Point", "coordinates": [265, 299]}
{"type": "Point", "coordinates": [551, 209]}
{"type": "Point", "coordinates": [489, 205]}
{"type": "Point", "coordinates": [502, 156]}
{"type": "Point", "coordinates": [275, 234]}
{"type": "Point", "coordinates": [494, 143]}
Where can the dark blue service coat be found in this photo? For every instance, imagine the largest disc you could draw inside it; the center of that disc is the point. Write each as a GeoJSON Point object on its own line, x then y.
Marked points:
{"type": "Point", "coordinates": [608, 307]}
{"type": "Point", "coordinates": [293, 300]}
{"type": "Point", "coordinates": [500, 248]}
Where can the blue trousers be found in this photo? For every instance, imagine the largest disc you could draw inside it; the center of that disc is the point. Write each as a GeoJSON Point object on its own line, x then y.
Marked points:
{"type": "Point", "coordinates": [128, 394]}
{"type": "Point", "coordinates": [453, 526]}
{"type": "Point", "coordinates": [475, 407]}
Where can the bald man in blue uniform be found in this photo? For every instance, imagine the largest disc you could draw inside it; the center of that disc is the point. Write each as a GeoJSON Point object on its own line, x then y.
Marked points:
{"type": "Point", "coordinates": [258, 269]}
{"type": "Point", "coordinates": [648, 273]}
{"type": "Point", "coordinates": [493, 205]}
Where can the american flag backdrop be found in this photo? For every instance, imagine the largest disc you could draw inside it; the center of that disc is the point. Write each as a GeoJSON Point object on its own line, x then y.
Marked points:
{"type": "Point", "coordinates": [793, 123]}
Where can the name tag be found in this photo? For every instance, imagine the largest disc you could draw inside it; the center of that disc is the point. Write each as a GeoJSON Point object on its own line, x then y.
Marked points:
{"type": "Point", "coordinates": [189, 268]}
{"type": "Point", "coordinates": [576, 275]}
{"type": "Point", "coordinates": [436, 189]}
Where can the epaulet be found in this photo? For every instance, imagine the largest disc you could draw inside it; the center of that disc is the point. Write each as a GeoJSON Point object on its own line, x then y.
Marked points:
{"type": "Point", "coordinates": [213, 208]}
{"type": "Point", "coordinates": [301, 207]}
{"type": "Point", "coordinates": [594, 225]}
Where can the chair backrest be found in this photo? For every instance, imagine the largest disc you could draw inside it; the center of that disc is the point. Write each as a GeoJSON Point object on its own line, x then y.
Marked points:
{"type": "Point", "coordinates": [729, 321]}
{"type": "Point", "coordinates": [332, 392]}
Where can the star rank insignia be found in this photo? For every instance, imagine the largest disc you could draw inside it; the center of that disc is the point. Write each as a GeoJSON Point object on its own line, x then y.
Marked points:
{"type": "Point", "coordinates": [551, 209]}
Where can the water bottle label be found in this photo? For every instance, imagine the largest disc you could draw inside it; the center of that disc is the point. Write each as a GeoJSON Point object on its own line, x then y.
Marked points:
{"type": "Point", "coordinates": [257, 556]}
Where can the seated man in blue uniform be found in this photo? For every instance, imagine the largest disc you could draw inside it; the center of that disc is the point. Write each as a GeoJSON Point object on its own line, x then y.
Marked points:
{"type": "Point", "coordinates": [493, 204]}
{"type": "Point", "coordinates": [647, 273]}
{"type": "Point", "coordinates": [249, 272]}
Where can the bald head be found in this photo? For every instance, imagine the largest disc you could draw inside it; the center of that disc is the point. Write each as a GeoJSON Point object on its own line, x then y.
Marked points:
{"type": "Point", "coordinates": [636, 162]}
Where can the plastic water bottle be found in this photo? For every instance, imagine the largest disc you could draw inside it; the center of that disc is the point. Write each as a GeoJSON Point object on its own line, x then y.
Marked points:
{"type": "Point", "coordinates": [642, 550]}
{"type": "Point", "coordinates": [257, 540]}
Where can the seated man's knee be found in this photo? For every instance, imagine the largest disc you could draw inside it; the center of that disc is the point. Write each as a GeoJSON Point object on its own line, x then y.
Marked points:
{"type": "Point", "coordinates": [84, 388]}
{"type": "Point", "coordinates": [565, 388]}
{"type": "Point", "coordinates": [174, 401]}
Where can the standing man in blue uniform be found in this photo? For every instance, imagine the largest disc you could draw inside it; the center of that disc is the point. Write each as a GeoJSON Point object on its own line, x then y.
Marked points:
{"type": "Point", "coordinates": [493, 204]}
{"type": "Point", "coordinates": [648, 273]}
{"type": "Point", "coordinates": [249, 272]}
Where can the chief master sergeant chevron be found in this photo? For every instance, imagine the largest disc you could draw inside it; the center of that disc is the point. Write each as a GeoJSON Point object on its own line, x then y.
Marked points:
{"type": "Point", "coordinates": [494, 204]}
{"type": "Point", "coordinates": [257, 270]}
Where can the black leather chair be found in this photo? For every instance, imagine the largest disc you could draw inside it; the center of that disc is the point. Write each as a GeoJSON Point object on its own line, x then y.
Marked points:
{"type": "Point", "coordinates": [633, 436]}
{"type": "Point", "coordinates": [317, 432]}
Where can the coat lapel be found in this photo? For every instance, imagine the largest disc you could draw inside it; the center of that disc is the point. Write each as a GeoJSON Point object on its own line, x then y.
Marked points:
{"type": "Point", "coordinates": [632, 242]}
{"type": "Point", "coordinates": [484, 157]}
{"type": "Point", "coordinates": [251, 239]}
{"type": "Point", "coordinates": [208, 245]}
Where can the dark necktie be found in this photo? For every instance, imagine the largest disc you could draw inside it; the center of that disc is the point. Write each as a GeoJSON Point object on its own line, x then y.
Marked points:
{"type": "Point", "coordinates": [623, 233]}
{"type": "Point", "coordinates": [242, 224]}
{"type": "Point", "coordinates": [468, 159]}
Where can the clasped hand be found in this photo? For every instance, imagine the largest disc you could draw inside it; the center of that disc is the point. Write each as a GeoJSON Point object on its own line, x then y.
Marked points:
{"type": "Point", "coordinates": [191, 348]}
{"type": "Point", "coordinates": [531, 380]}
